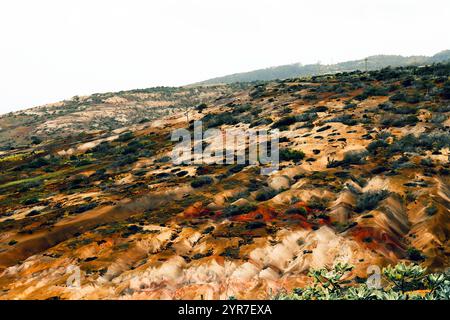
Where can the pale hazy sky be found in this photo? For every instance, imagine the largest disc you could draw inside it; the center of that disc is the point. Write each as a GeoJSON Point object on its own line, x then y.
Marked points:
{"type": "Point", "coordinates": [52, 50]}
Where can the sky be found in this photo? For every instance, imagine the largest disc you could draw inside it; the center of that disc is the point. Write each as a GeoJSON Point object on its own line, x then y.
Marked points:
{"type": "Point", "coordinates": [52, 50]}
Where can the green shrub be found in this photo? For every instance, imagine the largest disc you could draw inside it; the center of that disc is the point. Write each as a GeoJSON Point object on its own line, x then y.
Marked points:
{"type": "Point", "coordinates": [400, 122]}
{"type": "Point", "coordinates": [346, 119]}
{"type": "Point", "coordinates": [425, 141]}
{"type": "Point", "coordinates": [29, 201]}
{"type": "Point", "coordinates": [376, 144]}
{"type": "Point", "coordinates": [373, 91]}
{"type": "Point", "coordinates": [283, 122]}
{"type": "Point", "coordinates": [431, 210]}
{"type": "Point", "coordinates": [201, 181]}
{"type": "Point", "coordinates": [35, 140]}
{"type": "Point", "coordinates": [216, 120]}
{"type": "Point", "coordinates": [265, 194]}
{"type": "Point", "coordinates": [350, 157]}
{"type": "Point", "coordinates": [300, 210]}
{"type": "Point", "coordinates": [404, 277]}
{"type": "Point", "coordinates": [405, 110]}
{"type": "Point", "coordinates": [414, 254]}
{"type": "Point", "coordinates": [33, 213]}
{"type": "Point", "coordinates": [201, 107]}
{"type": "Point", "coordinates": [398, 96]}
{"type": "Point", "coordinates": [233, 210]}
{"type": "Point", "coordinates": [261, 122]}
{"type": "Point", "coordinates": [307, 116]}
{"type": "Point", "coordinates": [401, 281]}
{"type": "Point", "coordinates": [289, 154]}
{"type": "Point", "coordinates": [125, 136]}
{"type": "Point", "coordinates": [369, 200]}
{"type": "Point", "coordinates": [445, 91]}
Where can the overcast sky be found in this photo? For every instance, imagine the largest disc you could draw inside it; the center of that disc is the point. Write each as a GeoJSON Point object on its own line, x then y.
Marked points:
{"type": "Point", "coordinates": [52, 50]}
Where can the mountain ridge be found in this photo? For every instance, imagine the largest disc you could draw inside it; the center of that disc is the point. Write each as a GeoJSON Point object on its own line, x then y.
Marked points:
{"type": "Point", "coordinates": [299, 70]}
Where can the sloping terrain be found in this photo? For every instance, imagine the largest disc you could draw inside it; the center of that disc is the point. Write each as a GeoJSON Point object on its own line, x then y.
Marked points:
{"type": "Point", "coordinates": [101, 112]}
{"type": "Point", "coordinates": [363, 179]}
{"type": "Point", "coordinates": [299, 70]}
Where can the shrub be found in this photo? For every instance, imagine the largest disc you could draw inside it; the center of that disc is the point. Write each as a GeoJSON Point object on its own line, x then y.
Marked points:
{"type": "Point", "coordinates": [130, 230]}
{"type": "Point", "coordinates": [233, 253]}
{"type": "Point", "coordinates": [404, 277]}
{"type": "Point", "coordinates": [307, 116]}
{"type": "Point", "coordinates": [125, 136]}
{"type": "Point", "coordinates": [85, 207]}
{"type": "Point", "coordinates": [201, 107]}
{"type": "Point", "coordinates": [182, 173]}
{"type": "Point", "coordinates": [431, 210]}
{"type": "Point", "coordinates": [128, 159]}
{"type": "Point", "coordinates": [369, 200]}
{"type": "Point", "coordinates": [425, 141]}
{"type": "Point", "coordinates": [30, 201]}
{"type": "Point", "coordinates": [317, 203]}
{"type": "Point", "coordinates": [201, 181]}
{"type": "Point", "coordinates": [324, 128]}
{"type": "Point", "coordinates": [236, 168]}
{"type": "Point", "coordinates": [163, 159]}
{"type": "Point", "coordinates": [350, 157]}
{"type": "Point", "coordinates": [208, 230]}
{"type": "Point", "coordinates": [427, 162]}
{"type": "Point", "coordinates": [283, 122]}
{"type": "Point", "coordinates": [445, 92]}
{"type": "Point", "coordinates": [35, 140]}
{"type": "Point", "coordinates": [398, 96]}
{"type": "Point", "coordinates": [233, 210]}
{"type": "Point", "coordinates": [33, 213]}
{"type": "Point", "coordinates": [102, 148]}
{"type": "Point", "coordinates": [38, 163]}
{"type": "Point", "coordinates": [265, 194]}
{"type": "Point", "coordinates": [408, 81]}
{"type": "Point", "coordinates": [261, 122]}
{"type": "Point", "coordinates": [346, 119]}
{"type": "Point", "coordinates": [405, 110]}
{"type": "Point", "coordinates": [289, 154]}
{"type": "Point", "coordinates": [438, 118]}
{"type": "Point", "coordinates": [241, 108]}
{"type": "Point", "coordinates": [255, 225]}
{"type": "Point", "coordinates": [400, 121]}
{"type": "Point", "coordinates": [310, 97]}
{"type": "Point", "coordinates": [301, 211]}
{"type": "Point", "coordinates": [414, 254]}
{"type": "Point", "coordinates": [402, 280]}
{"type": "Point", "coordinates": [216, 120]}
{"type": "Point", "coordinates": [386, 106]}
{"type": "Point", "coordinates": [376, 144]}
{"type": "Point", "coordinates": [374, 91]}
{"type": "Point", "coordinates": [350, 106]}
{"type": "Point", "coordinates": [320, 109]}
{"type": "Point", "coordinates": [143, 120]}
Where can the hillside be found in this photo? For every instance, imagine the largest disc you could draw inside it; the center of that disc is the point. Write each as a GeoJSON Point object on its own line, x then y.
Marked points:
{"type": "Point", "coordinates": [101, 112]}
{"type": "Point", "coordinates": [88, 184]}
{"type": "Point", "coordinates": [299, 70]}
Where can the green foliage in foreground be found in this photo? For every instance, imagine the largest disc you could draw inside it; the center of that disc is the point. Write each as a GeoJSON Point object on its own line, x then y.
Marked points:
{"type": "Point", "coordinates": [400, 282]}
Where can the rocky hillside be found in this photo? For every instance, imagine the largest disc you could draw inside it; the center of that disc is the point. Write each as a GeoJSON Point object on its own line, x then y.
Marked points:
{"type": "Point", "coordinates": [101, 112]}
{"type": "Point", "coordinates": [363, 179]}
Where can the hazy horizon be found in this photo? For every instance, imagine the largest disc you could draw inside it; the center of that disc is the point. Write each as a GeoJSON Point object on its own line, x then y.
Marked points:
{"type": "Point", "coordinates": [52, 51]}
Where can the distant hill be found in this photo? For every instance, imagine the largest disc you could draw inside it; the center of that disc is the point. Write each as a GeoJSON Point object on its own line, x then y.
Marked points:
{"type": "Point", "coordinates": [299, 70]}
